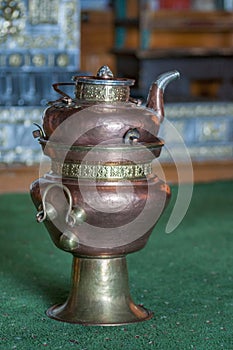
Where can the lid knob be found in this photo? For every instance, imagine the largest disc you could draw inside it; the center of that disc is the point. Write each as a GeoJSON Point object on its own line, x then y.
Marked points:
{"type": "Point", "coordinates": [105, 72]}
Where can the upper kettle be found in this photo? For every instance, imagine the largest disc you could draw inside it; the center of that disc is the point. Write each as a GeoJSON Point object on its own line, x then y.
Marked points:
{"type": "Point", "coordinates": [103, 105]}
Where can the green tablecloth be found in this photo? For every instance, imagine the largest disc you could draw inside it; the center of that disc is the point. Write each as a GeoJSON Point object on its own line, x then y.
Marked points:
{"type": "Point", "coordinates": [185, 277]}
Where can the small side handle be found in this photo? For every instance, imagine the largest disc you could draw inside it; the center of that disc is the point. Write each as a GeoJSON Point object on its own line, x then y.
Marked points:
{"type": "Point", "coordinates": [62, 93]}
{"type": "Point", "coordinates": [74, 216]}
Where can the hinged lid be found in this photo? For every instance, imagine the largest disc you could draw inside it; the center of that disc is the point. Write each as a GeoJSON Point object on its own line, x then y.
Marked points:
{"type": "Point", "coordinates": [103, 87]}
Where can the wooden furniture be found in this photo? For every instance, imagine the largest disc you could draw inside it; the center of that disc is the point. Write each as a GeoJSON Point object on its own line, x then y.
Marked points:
{"type": "Point", "coordinates": [97, 40]}
{"type": "Point", "coordinates": [198, 44]}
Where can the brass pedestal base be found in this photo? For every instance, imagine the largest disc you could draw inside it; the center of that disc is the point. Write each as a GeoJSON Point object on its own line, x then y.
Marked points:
{"type": "Point", "coordinates": [99, 295]}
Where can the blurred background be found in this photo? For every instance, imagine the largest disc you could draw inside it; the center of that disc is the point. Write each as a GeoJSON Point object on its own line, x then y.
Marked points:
{"type": "Point", "coordinates": [43, 42]}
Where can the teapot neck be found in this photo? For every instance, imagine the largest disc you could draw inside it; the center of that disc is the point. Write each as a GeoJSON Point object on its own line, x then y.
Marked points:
{"type": "Point", "coordinates": [155, 101]}
{"type": "Point", "coordinates": [155, 96]}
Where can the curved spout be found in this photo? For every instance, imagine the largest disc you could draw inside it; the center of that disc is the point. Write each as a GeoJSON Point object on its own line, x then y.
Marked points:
{"type": "Point", "coordinates": [155, 96]}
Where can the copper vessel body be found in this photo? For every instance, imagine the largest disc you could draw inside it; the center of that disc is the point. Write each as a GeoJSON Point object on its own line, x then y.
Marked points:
{"type": "Point", "coordinates": [101, 199]}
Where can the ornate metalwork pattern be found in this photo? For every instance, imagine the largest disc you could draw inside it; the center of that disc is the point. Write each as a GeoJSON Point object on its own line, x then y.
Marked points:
{"type": "Point", "coordinates": [195, 109]}
{"type": "Point", "coordinates": [43, 11]}
{"type": "Point", "coordinates": [102, 171]}
{"type": "Point", "coordinates": [105, 93]}
{"type": "Point", "coordinates": [16, 142]}
{"type": "Point", "coordinates": [12, 19]}
{"type": "Point", "coordinates": [206, 129]}
{"type": "Point", "coordinates": [39, 25]}
{"type": "Point", "coordinates": [200, 119]}
{"type": "Point", "coordinates": [39, 44]}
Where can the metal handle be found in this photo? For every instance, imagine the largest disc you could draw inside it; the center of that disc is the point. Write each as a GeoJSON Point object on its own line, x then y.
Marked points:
{"type": "Point", "coordinates": [64, 94]}
{"type": "Point", "coordinates": [73, 217]}
{"type": "Point", "coordinates": [45, 207]}
{"type": "Point", "coordinates": [136, 101]}
{"type": "Point", "coordinates": [38, 133]}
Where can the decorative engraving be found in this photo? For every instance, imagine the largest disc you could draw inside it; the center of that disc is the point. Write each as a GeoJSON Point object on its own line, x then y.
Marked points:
{"type": "Point", "coordinates": [62, 60]}
{"type": "Point", "coordinates": [3, 136]}
{"type": "Point", "coordinates": [12, 18]}
{"type": "Point", "coordinates": [22, 24]}
{"type": "Point", "coordinates": [190, 110]}
{"type": "Point", "coordinates": [212, 130]}
{"type": "Point", "coordinates": [22, 118]}
{"type": "Point", "coordinates": [15, 60]}
{"type": "Point", "coordinates": [39, 60]}
{"type": "Point", "coordinates": [92, 92]}
{"type": "Point", "coordinates": [199, 153]}
{"type": "Point", "coordinates": [43, 11]}
{"type": "Point", "coordinates": [102, 171]}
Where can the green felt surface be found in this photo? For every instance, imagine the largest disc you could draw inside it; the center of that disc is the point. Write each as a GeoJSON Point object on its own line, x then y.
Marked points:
{"type": "Point", "coordinates": [185, 277]}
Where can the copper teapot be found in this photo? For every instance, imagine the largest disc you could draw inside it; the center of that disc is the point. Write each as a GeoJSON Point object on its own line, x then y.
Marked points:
{"type": "Point", "coordinates": [101, 199]}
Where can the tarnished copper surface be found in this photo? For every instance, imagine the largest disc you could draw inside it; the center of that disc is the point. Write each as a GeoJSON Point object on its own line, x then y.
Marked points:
{"type": "Point", "coordinates": [104, 153]}
{"type": "Point", "coordinates": [159, 193]}
{"type": "Point", "coordinates": [101, 199]}
{"type": "Point", "coordinates": [155, 96]}
{"type": "Point", "coordinates": [121, 117]}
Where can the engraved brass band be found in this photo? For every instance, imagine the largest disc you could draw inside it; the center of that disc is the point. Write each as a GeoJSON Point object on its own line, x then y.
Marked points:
{"type": "Point", "coordinates": [102, 93]}
{"type": "Point", "coordinates": [102, 171]}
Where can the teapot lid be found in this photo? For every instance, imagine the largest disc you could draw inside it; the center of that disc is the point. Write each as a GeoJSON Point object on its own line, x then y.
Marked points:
{"type": "Point", "coordinates": [103, 87]}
